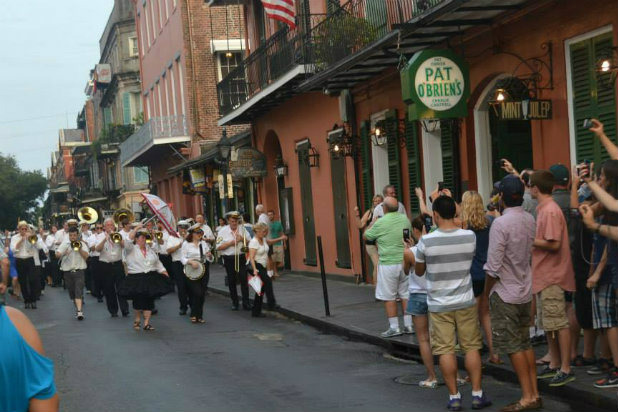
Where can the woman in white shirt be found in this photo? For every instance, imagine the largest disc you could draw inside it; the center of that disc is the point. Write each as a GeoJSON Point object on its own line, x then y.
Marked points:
{"type": "Point", "coordinates": [258, 259]}
{"type": "Point", "coordinates": [146, 278]}
{"type": "Point", "coordinates": [196, 251]}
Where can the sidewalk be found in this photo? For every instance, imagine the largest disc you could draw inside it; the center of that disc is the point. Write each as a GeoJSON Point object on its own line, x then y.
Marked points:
{"type": "Point", "coordinates": [356, 315]}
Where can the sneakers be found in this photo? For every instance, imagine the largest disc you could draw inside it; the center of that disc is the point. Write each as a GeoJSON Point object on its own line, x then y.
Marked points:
{"type": "Point", "coordinates": [580, 361]}
{"type": "Point", "coordinates": [80, 315]}
{"type": "Point", "coordinates": [547, 373]}
{"type": "Point", "coordinates": [454, 404]}
{"type": "Point", "coordinates": [561, 378]}
{"type": "Point", "coordinates": [408, 330]}
{"type": "Point", "coordinates": [611, 381]}
{"type": "Point", "coordinates": [480, 402]}
{"type": "Point", "coordinates": [391, 333]}
{"type": "Point", "coordinates": [603, 366]}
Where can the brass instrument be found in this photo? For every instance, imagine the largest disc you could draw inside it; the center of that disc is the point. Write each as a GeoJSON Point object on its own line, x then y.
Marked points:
{"type": "Point", "coordinates": [148, 237]}
{"type": "Point", "coordinates": [76, 246]}
{"type": "Point", "coordinates": [33, 239]}
{"type": "Point", "coordinates": [87, 214]}
{"type": "Point", "coordinates": [116, 237]}
{"type": "Point", "coordinates": [121, 214]}
{"type": "Point", "coordinates": [158, 235]}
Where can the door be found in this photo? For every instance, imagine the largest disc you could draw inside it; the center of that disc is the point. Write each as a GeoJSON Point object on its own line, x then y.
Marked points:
{"type": "Point", "coordinates": [306, 197]}
{"type": "Point", "coordinates": [340, 206]}
{"type": "Point", "coordinates": [512, 140]}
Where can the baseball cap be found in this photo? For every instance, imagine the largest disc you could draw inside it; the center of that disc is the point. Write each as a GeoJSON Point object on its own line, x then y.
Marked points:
{"type": "Point", "coordinates": [561, 173]}
{"type": "Point", "coordinates": [511, 188]}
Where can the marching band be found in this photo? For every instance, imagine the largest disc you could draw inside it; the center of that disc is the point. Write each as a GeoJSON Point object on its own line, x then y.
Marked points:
{"type": "Point", "coordinates": [120, 260]}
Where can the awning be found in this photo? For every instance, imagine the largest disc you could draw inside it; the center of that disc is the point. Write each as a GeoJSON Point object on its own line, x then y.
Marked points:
{"type": "Point", "coordinates": [79, 150]}
{"type": "Point", "coordinates": [61, 189]}
{"type": "Point", "coordinates": [94, 200]}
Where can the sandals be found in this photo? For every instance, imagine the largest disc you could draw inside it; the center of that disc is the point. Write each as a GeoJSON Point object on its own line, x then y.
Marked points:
{"type": "Point", "coordinates": [193, 319]}
{"type": "Point", "coordinates": [149, 327]}
{"type": "Point", "coordinates": [428, 384]}
{"type": "Point", "coordinates": [136, 325]}
{"type": "Point", "coordinates": [200, 320]}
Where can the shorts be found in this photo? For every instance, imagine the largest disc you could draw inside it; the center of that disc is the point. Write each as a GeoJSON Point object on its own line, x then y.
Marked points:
{"type": "Point", "coordinates": [74, 282]}
{"type": "Point", "coordinates": [604, 307]}
{"type": "Point", "coordinates": [551, 309]}
{"type": "Point", "coordinates": [392, 283]}
{"type": "Point", "coordinates": [417, 304]}
{"type": "Point", "coordinates": [478, 287]}
{"type": "Point", "coordinates": [277, 255]}
{"type": "Point", "coordinates": [447, 328]}
{"type": "Point", "coordinates": [509, 325]}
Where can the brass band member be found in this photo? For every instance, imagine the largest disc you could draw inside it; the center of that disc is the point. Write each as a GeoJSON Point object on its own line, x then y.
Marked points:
{"type": "Point", "coordinates": [110, 268]}
{"type": "Point", "coordinates": [196, 252]}
{"type": "Point", "coordinates": [74, 255]}
{"type": "Point", "coordinates": [146, 277]}
{"type": "Point", "coordinates": [174, 248]}
{"type": "Point", "coordinates": [231, 244]}
{"type": "Point", "coordinates": [25, 246]}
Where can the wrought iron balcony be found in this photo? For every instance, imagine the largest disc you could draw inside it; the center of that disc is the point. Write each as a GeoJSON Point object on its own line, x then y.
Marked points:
{"type": "Point", "coordinates": [153, 138]}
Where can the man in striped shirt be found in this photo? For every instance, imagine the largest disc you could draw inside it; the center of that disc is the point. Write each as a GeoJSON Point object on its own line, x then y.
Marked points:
{"type": "Point", "coordinates": [445, 256]}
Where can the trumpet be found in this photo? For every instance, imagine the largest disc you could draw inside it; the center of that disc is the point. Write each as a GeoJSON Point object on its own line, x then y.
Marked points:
{"type": "Point", "coordinates": [116, 237]}
{"type": "Point", "coordinates": [148, 238]}
{"type": "Point", "coordinates": [76, 245]}
{"type": "Point", "coordinates": [32, 239]}
{"type": "Point", "coordinates": [88, 215]}
{"type": "Point", "coordinates": [158, 235]}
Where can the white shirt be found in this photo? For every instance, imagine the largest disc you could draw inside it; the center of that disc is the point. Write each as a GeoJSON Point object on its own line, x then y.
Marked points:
{"type": "Point", "coordinates": [190, 251]}
{"type": "Point", "coordinates": [111, 252]}
{"type": "Point", "coordinates": [61, 236]}
{"type": "Point", "coordinates": [138, 263]}
{"type": "Point", "coordinates": [261, 251]}
{"type": "Point", "coordinates": [50, 242]}
{"type": "Point", "coordinates": [208, 234]}
{"type": "Point", "coordinates": [126, 239]}
{"type": "Point", "coordinates": [27, 250]}
{"type": "Point", "coordinates": [417, 284]}
{"type": "Point", "coordinates": [163, 246]}
{"type": "Point", "coordinates": [72, 260]}
{"type": "Point", "coordinates": [93, 241]}
{"type": "Point", "coordinates": [174, 241]}
{"type": "Point", "coordinates": [378, 212]}
{"type": "Point", "coordinates": [227, 235]}
{"type": "Point", "coordinates": [263, 218]}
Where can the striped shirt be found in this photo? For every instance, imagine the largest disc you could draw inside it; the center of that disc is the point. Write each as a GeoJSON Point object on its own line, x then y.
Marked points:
{"type": "Point", "coordinates": [448, 256]}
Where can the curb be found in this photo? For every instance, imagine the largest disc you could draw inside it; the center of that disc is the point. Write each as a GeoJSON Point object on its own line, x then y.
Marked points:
{"type": "Point", "coordinates": [411, 351]}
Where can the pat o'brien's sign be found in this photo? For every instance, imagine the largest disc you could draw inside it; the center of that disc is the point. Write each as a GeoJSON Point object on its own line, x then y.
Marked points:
{"type": "Point", "coordinates": [435, 85]}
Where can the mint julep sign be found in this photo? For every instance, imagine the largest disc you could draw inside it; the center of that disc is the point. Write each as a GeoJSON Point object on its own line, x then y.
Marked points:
{"type": "Point", "coordinates": [435, 85]}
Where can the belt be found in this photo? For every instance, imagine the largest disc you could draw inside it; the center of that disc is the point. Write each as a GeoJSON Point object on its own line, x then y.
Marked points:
{"type": "Point", "coordinates": [74, 270]}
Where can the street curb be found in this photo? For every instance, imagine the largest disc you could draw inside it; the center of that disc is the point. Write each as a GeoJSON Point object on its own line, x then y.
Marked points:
{"type": "Point", "coordinates": [411, 351]}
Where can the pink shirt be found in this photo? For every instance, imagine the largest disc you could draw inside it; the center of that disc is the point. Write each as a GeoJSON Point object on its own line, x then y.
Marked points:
{"type": "Point", "coordinates": [552, 268]}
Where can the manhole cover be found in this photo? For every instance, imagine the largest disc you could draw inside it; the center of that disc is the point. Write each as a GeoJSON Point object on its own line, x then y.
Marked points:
{"type": "Point", "coordinates": [407, 380]}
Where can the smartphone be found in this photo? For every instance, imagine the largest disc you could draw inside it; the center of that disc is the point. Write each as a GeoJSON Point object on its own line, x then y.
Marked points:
{"type": "Point", "coordinates": [440, 186]}
{"type": "Point", "coordinates": [587, 123]}
{"type": "Point", "coordinates": [428, 223]}
{"type": "Point", "coordinates": [406, 235]}
{"type": "Point", "coordinates": [583, 169]}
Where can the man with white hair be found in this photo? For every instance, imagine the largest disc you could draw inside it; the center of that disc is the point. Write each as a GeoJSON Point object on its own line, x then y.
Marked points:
{"type": "Point", "coordinates": [261, 214]}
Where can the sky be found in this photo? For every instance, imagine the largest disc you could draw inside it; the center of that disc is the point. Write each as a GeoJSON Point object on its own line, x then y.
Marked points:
{"type": "Point", "coordinates": [48, 49]}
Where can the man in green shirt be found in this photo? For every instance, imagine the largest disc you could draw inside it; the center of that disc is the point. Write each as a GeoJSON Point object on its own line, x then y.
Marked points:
{"type": "Point", "coordinates": [275, 231]}
{"type": "Point", "coordinates": [392, 281]}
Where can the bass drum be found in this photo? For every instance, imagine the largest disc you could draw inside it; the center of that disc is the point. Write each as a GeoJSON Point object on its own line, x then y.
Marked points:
{"type": "Point", "coordinates": [195, 273]}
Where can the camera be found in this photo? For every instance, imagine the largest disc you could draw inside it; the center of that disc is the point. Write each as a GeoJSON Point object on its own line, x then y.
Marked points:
{"type": "Point", "coordinates": [428, 223]}
{"type": "Point", "coordinates": [406, 235]}
{"type": "Point", "coordinates": [587, 123]}
{"type": "Point", "coordinates": [583, 169]}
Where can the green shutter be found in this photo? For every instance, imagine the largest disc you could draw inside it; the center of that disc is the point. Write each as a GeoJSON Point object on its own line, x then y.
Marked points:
{"type": "Point", "coordinates": [448, 157]}
{"type": "Point", "coordinates": [367, 186]}
{"type": "Point", "coordinates": [126, 107]}
{"type": "Point", "coordinates": [391, 125]}
{"type": "Point", "coordinates": [107, 116]}
{"type": "Point", "coordinates": [594, 95]}
{"type": "Point", "coordinates": [414, 163]}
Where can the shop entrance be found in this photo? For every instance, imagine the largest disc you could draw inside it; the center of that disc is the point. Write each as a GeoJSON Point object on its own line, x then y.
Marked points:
{"type": "Point", "coordinates": [512, 140]}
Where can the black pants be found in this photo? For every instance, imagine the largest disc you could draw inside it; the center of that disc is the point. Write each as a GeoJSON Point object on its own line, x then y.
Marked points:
{"type": "Point", "coordinates": [267, 288]}
{"type": "Point", "coordinates": [95, 271]}
{"type": "Point", "coordinates": [111, 276]}
{"type": "Point", "coordinates": [181, 286]}
{"type": "Point", "coordinates": [88, 274]}
{"type": "Point", "coordinates": [28, 276]}
{"type": "Point", "coordinates": [233, 276]}
{"type": "Point", "coordinates": [166, 260]}
{"type": "Point", "coordinates": [56, 275]}
{"type": "Point", "coordinates": [197, 293]}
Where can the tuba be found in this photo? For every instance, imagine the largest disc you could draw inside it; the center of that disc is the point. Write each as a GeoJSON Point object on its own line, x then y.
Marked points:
{"type": "Point", "coordinates": [88, 215]}
{"type": "Point", "coordinates": [122, 214]}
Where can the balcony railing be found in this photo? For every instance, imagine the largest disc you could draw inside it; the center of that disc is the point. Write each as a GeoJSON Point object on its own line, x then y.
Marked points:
{"type": "Point", "coordinates": [319, 41]}
{"type": "Point", "coordinates": [157, 130]}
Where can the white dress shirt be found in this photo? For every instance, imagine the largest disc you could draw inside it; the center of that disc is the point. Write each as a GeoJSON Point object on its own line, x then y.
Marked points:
{"type": "Point", "coordinates": [227, 235]}
{"type": "Point", "coordinates": [93, 241]}
{"type": "Point", "coordinates": [137, 262]}
{"type": "Point", "coordinates": [263, 218]}
{"type": "Point", "coordinates": [163, 246]}
{"type": "Point", "coordinates": [378, 211]}
{"type": "Point", "coordinates": [50, 242]}
{"type": "Point", "coordinates": [61, 236]}
{"type": "Point", "coordinates": [190, 251]}
{"type": "Point", "coordinates": [174, 241]}
{"type": "Point", "coordinates": [72, 260]}
{"type": "Point", "coordinates": [261, 251]}
{"type": "Point", "coordinates": [207, 232]}
{"type": "Point", "coordinates": [111, 252]}
{"type": "Point", "coordinates": [27, 250]}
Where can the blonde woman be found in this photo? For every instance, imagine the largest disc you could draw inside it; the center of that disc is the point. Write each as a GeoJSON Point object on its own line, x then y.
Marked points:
{"type": "Point", "coordinates": [474, 217]}
{"type": "Point", "coordinates": [363, 223]}
{"type": "Point", "coordinates": [258, 259]}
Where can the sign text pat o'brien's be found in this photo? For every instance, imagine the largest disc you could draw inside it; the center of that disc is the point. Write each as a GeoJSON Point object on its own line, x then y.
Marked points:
{"type": "Point", "coordinates": [435, 85]}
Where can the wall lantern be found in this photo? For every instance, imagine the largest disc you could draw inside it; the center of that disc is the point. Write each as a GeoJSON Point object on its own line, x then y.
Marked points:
{"type": "Point", "coordinates": [281, 169]}
{"type": "Point", "coordinates": [378, 137]}
{"type": "Point", "coordinates": [340, 143]}
{"type": "Point", "coordinates": [310, 157]}
{"type": "Point", "coordinates": [608, 62]}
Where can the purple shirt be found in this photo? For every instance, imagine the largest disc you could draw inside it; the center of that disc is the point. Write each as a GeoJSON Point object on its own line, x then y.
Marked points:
{"type": "Point", "coordinates": [508, 259]}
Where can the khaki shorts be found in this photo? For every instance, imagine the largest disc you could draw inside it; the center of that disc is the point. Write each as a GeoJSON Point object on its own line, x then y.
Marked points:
{"type": "Point", "coordinates": [277, 255]}
{"type": "Point", "coordinates": [551, 309]}
{"type": "Point", "coordinates": [509, 325]}
{"type": "Point", "coordinates": [446, 328]}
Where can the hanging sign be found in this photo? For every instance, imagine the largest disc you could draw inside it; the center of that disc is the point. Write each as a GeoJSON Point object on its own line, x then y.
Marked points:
{"type": "Point", "coordinates": [524, 110]}
{"type": "Point", "coordinates": [248, 162]}
{"type": "Point", "coordinates": [198, 179]}
{"type": "Point", "coordinates": [221, 186]}
{"type": "Point", "coordinates": [436, 85]}
{"type": "Point", "coordinates": [230, 187]}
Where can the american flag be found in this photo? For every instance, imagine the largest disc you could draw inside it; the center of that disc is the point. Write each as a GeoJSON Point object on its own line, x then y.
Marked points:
{"type": "Point", "coordinates": [282, 10]}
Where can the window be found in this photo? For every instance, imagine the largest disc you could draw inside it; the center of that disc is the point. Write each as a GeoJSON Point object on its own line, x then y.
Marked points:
{"type": "Point", "coordinates": [136, 106]}
{"type": "Point", "coordinates": [181, 86]}
{"type": "Point", "coordinates": [160, 14]}
{"type": "Point", "coordinates": [173, 83]}
{"type": "Point", "coordinates": [167, 97]}
{"type": "Point", "coordinates": [227, 62]}
{"type": "Point", "coordinates": [152, 22]}
{"type": "Point", "coordinates": [140, 25]}
{"type": "Point", "coordinates": [140, 175]}
{"type": "Point", "coordinates": [147, 24]}
{"type": "Point", "coordinates": [133, 48]}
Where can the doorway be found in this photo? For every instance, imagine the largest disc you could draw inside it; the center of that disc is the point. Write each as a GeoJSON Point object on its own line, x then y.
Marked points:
{"type": "Point", "coordinates": [512, 140]}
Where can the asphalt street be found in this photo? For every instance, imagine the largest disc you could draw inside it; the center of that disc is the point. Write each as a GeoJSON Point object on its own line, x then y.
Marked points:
{"type": "Point", "coordinates": [232, 363]}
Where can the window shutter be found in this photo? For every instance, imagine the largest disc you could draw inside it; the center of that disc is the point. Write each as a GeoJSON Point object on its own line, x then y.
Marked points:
{"type": "Point", "coordinates": [394, 167]}
{"type": "Point", "coordinates": [126, 107]}
{"type": "Point", "coordinates": [593, 96]}
{"type": "Point", "coordinates": [367, 184]}
{"type": "Point", "coordinates": [414, 163]}
{"type": "Point", "coordinates": [448, 156]}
